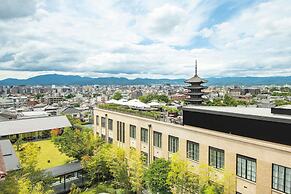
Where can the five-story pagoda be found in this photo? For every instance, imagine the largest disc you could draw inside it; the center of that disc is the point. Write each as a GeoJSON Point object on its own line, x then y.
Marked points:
{"type": "Point", "coordinates": [195, 88]}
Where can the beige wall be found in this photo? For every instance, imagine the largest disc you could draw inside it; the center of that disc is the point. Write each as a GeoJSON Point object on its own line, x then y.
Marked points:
{"type": "Point", "coordinates": [265, 153]}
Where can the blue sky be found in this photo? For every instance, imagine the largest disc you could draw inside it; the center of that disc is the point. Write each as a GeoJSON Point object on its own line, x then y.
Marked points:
{"type": "Point", "coordinates": [156, 39]}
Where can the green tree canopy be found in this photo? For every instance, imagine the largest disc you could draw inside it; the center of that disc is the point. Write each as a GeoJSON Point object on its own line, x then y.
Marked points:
{"type": "Point", "coordinates": [117, 96]}
{"type": "Point", "coordinates": [150, 97]}
{"type": "Point", "coordinates": [96, 166]}
{"type": "Point", "coordinates": [77, 143]}
{"type": "Point", "coordinates": [156, 176]}
{"type": "Point", "coordinates": [181, 177]}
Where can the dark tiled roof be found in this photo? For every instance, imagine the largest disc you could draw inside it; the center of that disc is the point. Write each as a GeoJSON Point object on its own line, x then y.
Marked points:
{"type": "Point", "coordinates": [196, 79]}
{"type": "Point", "coordinates": [64, 169]}
{"type": "Point", "coordinates": [70, 110]}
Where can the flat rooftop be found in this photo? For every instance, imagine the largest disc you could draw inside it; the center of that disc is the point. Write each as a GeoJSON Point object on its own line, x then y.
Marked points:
{"type": "Point", "coordinates": [10, 159]}
{"type": "Point", "coordinates": [29, 125]}
{"type": "Point", "coordinates": [242, 112]}
{"type": "Point", "coordinates": [258, 123]}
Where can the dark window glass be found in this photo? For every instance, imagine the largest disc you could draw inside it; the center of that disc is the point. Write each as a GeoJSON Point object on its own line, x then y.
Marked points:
{"type": "Point", "coordinates": [246, 168]}
{"type": "Point", "coordinates": [173, 143]}
{"type": "Point", "coordinates": [281, 180]}
{"type": "Point", "coordinates": [157, 139]}
{"type": "Point", "coordinates": [193, 150]}
{"type": "Point", "coordinates": [145, 157]}
{"type": "Point", "coordinates": [144, 135]}
{"type": "Point", "coordinates": [103, 122]}
{"type": "Point", "coordinates": [110, 140]}
{"type": "Point", "coordinates": [110, 124]}
{"type": "Point", "coordinates": [97, 120]}
{"type": "Point", "coordinates": [132, 131]}
{"type": "Point", "coordinates": [120, 131]}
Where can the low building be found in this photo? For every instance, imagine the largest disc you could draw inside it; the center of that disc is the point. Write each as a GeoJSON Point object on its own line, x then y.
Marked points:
{"type": "Point", "coordinates": [8, 159]}
{"type": "Point", "coordinates": [32, 128]}
{"type": "Point", "coordinates": [251, 143]}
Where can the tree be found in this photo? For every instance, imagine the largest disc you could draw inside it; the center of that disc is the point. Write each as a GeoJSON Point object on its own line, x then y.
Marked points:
{"type": "Point", "coordinates": [116, 161]}
{"type": "Point", "coordinates": [181, 177]}
{"type": "Point", "coordinates": [10, 184]}
{"type": "Point", "coordinates": [136, 170]}
{"type": "Point", "coordinates": [156, 176]}
{"type": "Point", "coordinates": [77, 143]}
{"type": "Point", "coordinates": [69, 96]}
{"type": "Point", "coordinates": [30, 177]}
{"type": "Point", "coordinates": [150, 97]}
{"type": "Point", "coordinates": [229, 182]}
{"type": "Point", "coordinates": [26, 187]}
{"type": "Point", "coordinates": [229, 101]}
{"type": "Point", "coordinates": [117, 96]}
{"type": "Point", "coordinates": [96, 166]}
{"type": "Point", "coordinates": [74, 189]}
{"type": "Point", "coordinates": [163, 98]}
{"type": "Point", "coordinates": [28, 157]}
{"type": "Point", "coordinates": [208, 182]}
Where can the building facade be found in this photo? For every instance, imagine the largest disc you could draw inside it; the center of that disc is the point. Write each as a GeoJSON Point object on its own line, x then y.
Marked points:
{"type": "Point", "coordinates": [261, 166]}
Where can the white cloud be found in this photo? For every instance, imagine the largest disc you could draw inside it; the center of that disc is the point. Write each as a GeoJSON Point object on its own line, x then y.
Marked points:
{"type": "Point", "coordinates": [144, 38]}
{"type": "Point", "coordinates": [10, 9]}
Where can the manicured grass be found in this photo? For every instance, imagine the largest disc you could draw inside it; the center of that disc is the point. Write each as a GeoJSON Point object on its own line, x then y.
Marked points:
{"type": "Point", "coordinates": [49, 152]}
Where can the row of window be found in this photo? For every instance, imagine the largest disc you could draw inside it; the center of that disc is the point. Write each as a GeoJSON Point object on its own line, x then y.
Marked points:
{"type": "Point", "coordinates": [246, 167]}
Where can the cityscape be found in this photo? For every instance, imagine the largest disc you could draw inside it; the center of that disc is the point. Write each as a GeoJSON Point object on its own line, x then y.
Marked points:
{"type": "Point", "coordinates": [145, 97]}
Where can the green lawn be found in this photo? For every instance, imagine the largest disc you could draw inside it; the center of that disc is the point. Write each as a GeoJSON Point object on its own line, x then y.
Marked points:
{"type": "Point", "coordinates": [49, 152]}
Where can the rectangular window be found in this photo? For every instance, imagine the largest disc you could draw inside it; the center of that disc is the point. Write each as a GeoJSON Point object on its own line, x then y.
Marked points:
{"type": "Point", "coordinates": [157, 139]}
{"type": "Point", "coordinates": [281, 178]}
{"type": "Point", "coordinates": [145, 157]}
{"type": "Point", "coordinates": [132, 131]}
{"type": "Point", "coordinates": [216, 157]}
{"type": "Point", "coordinates": [97, 120]}
{"type": "Point", "coordinates": [173, 144]}
{"type": "Point", "coordinates": [144, 135]}
{"type": "Point", "coordinates": [155, 158]}
{"type": "Point", "coordinates": [103, 137]}
{"type": "Point", "coordinates": [110, 124]}
{"type": "Point", "coordinates": [246, 168]}
{"type": "Point", "coordinates": [120, 131]}
{"type": "Point", "coordinates": [193, 150]}
{"type": "Point", "coordinates": [103, 122]}
{"type": "Point", "coordinates": [110, 140]}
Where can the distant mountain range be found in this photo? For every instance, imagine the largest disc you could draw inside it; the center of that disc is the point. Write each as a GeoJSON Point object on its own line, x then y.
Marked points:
{"type": "Point", "coordinates": [55, 79]}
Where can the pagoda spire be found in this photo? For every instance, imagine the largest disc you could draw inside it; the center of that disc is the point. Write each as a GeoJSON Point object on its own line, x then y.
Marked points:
{"type": "Point", "coordinates": [194, 89]}
{"type": "Point", "coordinates": [196, 67]}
